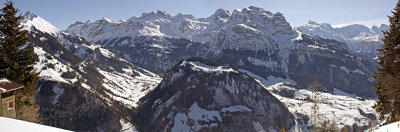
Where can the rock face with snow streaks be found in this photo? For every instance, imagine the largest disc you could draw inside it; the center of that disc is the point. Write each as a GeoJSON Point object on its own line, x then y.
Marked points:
{"type": "Point", "coordinates": [197, 94]}
{"type": "Point", "coordinates": [251, 38]}
{"type": "Point", "coordinates": [83, 87]}
{"type": "Point", "coordinates": [360, 39]}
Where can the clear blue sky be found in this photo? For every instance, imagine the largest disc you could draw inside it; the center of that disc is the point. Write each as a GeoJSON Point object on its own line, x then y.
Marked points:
{"type": "Point", "coordinates": [62, 13]}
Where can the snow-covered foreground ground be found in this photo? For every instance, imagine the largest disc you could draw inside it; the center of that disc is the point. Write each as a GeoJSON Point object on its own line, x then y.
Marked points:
{"type": "Point", "coordinates": [392, 127]}
{"type": "Point", "coordinates": [13, 125]}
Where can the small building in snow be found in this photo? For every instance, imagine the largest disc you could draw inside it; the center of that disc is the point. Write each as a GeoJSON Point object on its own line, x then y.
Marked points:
{"type": "Point", "coordinates": [7, 97]}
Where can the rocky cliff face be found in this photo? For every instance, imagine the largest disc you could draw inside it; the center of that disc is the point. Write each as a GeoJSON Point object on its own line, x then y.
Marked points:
{"type": "Point", "coordinates": [83, 87]}
{"type": "Point", "coordinates": [186, 100]}
{"type": "Point", "coordinates": [251, 39]}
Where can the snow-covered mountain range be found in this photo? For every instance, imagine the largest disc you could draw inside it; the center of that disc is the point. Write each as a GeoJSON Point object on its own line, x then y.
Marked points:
{"type": "Point", "coordinates": [251, 38]}
{"type": "Point", "coordinates": [103, 68]}
{"type": "Point", "coordinates": [359, 38]}
{"type": "Point", "coordinates": [101, 88]}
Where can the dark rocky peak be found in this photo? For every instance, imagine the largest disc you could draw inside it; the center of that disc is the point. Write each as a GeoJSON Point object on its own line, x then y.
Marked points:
{"type": "Point", "coordinates": [133, 18]}
{"type": "Point", "coordinates": [222, 13]}
{"type": "Point", "coordinates": [156, 15]}
{"type": "Point", "coordinates": [323, 25]}
{"type": "Point", "coordinates": [186, 100]}
{"type": "Point", "coordinates": [256, 11]}
{"type": "Point", "coordinates": [311, 22]}
{"type": "Point", "coordinates": [29, 16]}
{"type": "Point", "coordinates": [377, 29]}
{"type": "Point", "coordinates": [76, 23]}
{"type": "Point", "coordinates": [261, 20]}
{"type": "Point", "coordinates": [384, 26]}
{"type": "Point", "coordinates": [182, 16]}
{"type": "Point", "coordinates": [279, 15]}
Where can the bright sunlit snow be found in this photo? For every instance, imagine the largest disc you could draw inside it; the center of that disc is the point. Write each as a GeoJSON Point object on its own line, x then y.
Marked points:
{"type": "Point", "coordinates": [13, 125]}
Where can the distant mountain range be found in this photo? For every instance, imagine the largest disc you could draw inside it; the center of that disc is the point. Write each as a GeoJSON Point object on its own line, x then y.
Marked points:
{"type": "Point", "coordinates": [359, 38]}
{"type": "Point", "coordinates": [125, 73]}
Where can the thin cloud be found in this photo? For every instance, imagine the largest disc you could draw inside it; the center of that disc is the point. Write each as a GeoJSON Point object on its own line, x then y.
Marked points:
{"type": "Point", "coordinates": [368, 23]}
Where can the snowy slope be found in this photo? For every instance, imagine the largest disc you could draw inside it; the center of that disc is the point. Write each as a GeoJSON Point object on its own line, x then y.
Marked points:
{"type": "Point", "coordinates": [339, 106]}
{"type": "Point", "coordinates": [127, 85]}
{"type": "Point", "coordinates": [350, 33]}
{"type": "Point", "coordinates": [360, 39]}
{"type": "Point", "coordinates": [94, 78]}
{"type": "Point", "coordinates": [392, 127]}
{"type": "Point", "coordinates": [250, 21]}
{"type": "Point", "coordinates": [251, 38]}
{"type": "Point", "coordinates": [33, 21]}
{"type": "Point", "coordinates": [186, 100]}
{"type": "Point", "coordinates": [13, 125]}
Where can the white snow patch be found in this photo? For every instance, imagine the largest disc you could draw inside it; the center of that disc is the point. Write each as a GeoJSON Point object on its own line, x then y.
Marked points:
{"type": "Point", "coordinates": [127, 127]}
{"type": "Point", "coordinates": [392, 127]}
{"type": "Point", "coordinates": [196, 115]}
{"type": "Point", "coordinates": [4, 80]}
{"type": "Point", "coordinates": [42, 38]}
{"type": "Point", "coordinates": [340, 92]}
{"type": "Point", "coordinates": [345, 69]}
{"type": "Point", "coordinates": [84, 85]}
{"type": "Point", "coordinates": [298, 35]}
{"type": "Point", "coordinates": [270, 79]}
{"type": "Point", "coordinates": [343, 109]}
{"type": "Point", "coordinates": [270, 64]}
{"type": "Point", "coordinates": [53, 74]}
{"type": "Point", "coordinates": [3, 90]}
{"type": "Point", "coordinates": [358, 71]}
{"type": "Point", "coordinates": [106, 53]}
{"type": "Point", "coordinates": [317, 47]}
{"type": "Point", "coordinates": [129, 89]}
{"type": "Point", "coordinates": [40, 24]}
{"type": "Point", "coordinates": [197, 66]}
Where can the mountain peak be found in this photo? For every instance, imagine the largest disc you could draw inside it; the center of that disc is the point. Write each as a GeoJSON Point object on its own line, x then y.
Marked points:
{"type": "Point", "coordinates": [107, 19]}
{"type": "Point", "coordinates": [204, 65]}
{"type": "Point", "coordinates": [313, 22]}
{"type": "Point", "coordinates": [32, 20]}
{"type": "Point", "coordinates": [187, 100]}
{"type": "Point", "coordinates": [222, 13]}
{"type": "Point", "coordinates": [29, 16]}
{"type": "Point", "coordinates": [157, 14]}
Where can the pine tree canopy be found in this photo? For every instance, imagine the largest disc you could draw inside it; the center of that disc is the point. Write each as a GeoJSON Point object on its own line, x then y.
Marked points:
{"type": "Point", "coordinates": [16, 54]}
{"type": "Point", "coordinates": [388, 75]}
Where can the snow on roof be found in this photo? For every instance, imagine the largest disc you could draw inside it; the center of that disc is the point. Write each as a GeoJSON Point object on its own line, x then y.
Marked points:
{"type": "Point", "coordinates": [13, 125]}
{"type": "Point", "coordinates": [8, 85]}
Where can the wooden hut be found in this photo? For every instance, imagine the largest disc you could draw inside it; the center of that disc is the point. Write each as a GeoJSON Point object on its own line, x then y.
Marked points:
{"type": "Point", "coordinates": [7, 97]}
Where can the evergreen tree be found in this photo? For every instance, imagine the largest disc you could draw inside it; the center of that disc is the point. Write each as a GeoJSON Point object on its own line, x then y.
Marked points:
{"type": "Point", "coordinates": [16, 55]}
{"type": "Point", "coordinates": [388, 75]}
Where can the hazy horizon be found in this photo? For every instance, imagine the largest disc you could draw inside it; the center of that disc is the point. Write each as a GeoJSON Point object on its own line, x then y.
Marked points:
{"type": "Point", "coordinates": [64, 13]}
